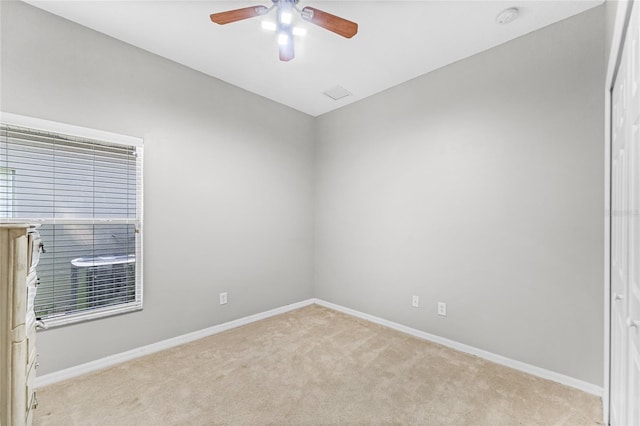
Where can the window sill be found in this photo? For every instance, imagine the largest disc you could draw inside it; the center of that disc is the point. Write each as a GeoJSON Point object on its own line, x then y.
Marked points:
{"type": "Point", "coordinates": [54, 321]}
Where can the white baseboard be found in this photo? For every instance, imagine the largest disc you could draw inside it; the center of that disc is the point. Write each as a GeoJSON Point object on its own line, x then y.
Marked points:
{"type": "Point", "coordinates": [498, 359]}
{"type": "Point", "coordinates": [111, 360]}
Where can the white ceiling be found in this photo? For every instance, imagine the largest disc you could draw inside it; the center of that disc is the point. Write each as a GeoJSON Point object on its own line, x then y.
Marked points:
{"type": "Point", "coordinates": [396, 41]}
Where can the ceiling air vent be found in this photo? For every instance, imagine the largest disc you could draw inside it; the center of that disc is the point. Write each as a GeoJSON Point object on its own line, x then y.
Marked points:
{"type": "Point", "coordinates": [337, 92]}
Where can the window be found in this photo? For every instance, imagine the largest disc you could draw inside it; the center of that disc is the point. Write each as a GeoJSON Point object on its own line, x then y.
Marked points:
{"type": "Point", "coordinates": [84, 188]}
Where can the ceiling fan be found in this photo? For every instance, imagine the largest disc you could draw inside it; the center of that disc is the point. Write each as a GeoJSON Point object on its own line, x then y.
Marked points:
{"type": "Point", "coordinates": [284, 22]}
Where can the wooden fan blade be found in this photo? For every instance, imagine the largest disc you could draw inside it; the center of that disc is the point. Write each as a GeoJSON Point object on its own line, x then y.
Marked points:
{"type": "Point", "coordinates": [330, 22]}
{"type": "Point", "coordinates": [238, 14]}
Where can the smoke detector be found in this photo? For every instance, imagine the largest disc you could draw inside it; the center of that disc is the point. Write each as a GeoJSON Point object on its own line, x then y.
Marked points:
{"type": "Point", "coordinates": [507, 15]}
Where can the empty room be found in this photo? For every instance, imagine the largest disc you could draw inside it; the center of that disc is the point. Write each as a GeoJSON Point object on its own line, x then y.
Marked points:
{"type": "Point", "coordinates": [312, 212]}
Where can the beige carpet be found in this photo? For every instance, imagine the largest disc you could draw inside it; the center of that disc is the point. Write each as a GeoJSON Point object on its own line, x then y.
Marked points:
{"type": "Point", "coordinates": [308, 367]}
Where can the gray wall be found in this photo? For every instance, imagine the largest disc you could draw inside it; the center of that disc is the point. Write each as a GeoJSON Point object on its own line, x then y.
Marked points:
{"type": "Point", "coordinates": [227, 193]}
{"type": "Point", "coordinates": [479, 185]}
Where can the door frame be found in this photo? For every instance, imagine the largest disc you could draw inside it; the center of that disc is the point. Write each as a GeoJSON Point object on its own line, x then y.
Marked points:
{"type": "Point", "coordinates": [623, 13]}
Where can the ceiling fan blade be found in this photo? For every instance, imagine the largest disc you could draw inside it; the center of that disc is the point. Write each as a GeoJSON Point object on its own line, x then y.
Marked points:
{"type": "Point", "coordinates": [238, 14]}
{"type": "Point", "coordinates": [330, 22]}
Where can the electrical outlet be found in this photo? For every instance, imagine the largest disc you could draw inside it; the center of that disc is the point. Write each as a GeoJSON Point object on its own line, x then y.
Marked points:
{"type": "Point", "coordinates": [223, 298]}
{"type": "Point", "coordinates": [415, 301]}
{"type": "Point", "coordinates": [442, 309]}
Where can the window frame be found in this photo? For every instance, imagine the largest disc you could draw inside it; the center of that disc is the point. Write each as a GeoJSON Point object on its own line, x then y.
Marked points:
{"type": "Point", "coordinates": [37, 124]}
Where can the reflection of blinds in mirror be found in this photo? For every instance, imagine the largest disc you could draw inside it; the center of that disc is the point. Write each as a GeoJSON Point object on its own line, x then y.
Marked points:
{"type": "Point", "coordinates": [6, 192]}
{"type": "Point", "coordinates": [87, 194]}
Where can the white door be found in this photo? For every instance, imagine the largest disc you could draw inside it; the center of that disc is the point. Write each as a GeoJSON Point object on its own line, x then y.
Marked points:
{"type": "Point", "coordinates": [619, 252]}
{"type": "Point", "coordinates": [625, 232]}
{"type": "Point", "coordinates": [633, 290]}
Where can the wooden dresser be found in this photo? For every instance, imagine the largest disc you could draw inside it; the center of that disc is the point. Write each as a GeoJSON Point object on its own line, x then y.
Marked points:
{"type": "Point", "coordinates": [20, 248]}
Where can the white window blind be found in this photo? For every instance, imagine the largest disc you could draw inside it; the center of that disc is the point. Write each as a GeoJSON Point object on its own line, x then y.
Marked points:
{"type": "Point", "coordinates": [87, 196]}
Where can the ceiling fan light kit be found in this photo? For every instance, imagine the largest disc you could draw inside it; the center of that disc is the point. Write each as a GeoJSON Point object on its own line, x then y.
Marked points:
{"type": "Point", "coordinates": [284, 22]}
